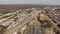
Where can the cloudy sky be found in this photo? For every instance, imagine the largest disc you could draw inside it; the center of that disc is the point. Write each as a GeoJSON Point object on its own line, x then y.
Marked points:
{"type": "Point", "coordinates": [52, 2]}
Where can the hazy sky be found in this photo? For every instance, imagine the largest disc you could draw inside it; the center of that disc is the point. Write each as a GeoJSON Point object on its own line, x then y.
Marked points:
{"type": "Point", "coordinates": [55, 2]}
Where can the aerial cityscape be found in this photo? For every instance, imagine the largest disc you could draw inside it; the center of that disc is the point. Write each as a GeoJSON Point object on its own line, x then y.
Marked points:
{"type": "Point", "coordinates": [29, 19]}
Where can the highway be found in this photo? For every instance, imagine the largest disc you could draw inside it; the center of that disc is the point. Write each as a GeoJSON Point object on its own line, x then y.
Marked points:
{"type": "Point", "coordinates": [16, 20]}
{"type": "Point", "coordinates": [22, 23]}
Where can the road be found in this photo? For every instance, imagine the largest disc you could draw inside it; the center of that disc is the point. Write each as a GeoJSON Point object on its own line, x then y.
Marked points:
{"type": "Point", "coordinates": [21, 24]}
